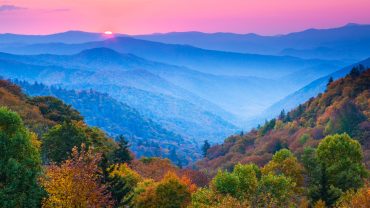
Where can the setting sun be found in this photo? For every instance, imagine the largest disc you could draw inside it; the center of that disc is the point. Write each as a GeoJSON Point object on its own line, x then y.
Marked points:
{"type": "Point", "coordinates": [108, 33]}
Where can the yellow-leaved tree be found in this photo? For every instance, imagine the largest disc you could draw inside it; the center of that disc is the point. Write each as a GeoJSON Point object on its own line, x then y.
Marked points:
{"type": "Point", "coordinates": [75, 182]}
{"type": "Point", "coordinates": [171, 191]}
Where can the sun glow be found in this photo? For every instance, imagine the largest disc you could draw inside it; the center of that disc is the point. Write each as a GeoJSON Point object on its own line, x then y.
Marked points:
{"type": "Point", "coordinates": [108, 33]}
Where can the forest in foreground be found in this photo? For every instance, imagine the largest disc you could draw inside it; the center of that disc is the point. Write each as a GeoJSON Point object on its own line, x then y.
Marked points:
{"type": "Point", "coordinates": [316, 155]}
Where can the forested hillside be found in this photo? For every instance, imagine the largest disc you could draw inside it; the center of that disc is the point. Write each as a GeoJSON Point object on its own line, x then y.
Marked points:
{"type": "Point", "coordinates": [32, 112]}
{"type": "Point", "coordinates": [48, 153]}
{"type": "Point", "coordinates": [146, 137]}
{"type": "Point", "coordinates": [343, 108]}
{"type": "Point", "coordinates": [312, 156]}
{"type": "Point", "coordinates": [310, 90]}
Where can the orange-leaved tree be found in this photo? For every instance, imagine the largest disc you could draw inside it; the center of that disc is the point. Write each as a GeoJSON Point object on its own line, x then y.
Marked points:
{"type": "Point", "coordinates": [75, 182]}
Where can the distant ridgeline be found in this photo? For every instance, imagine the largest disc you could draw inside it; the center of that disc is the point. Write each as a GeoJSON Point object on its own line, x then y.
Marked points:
{"type": "Point", "coordinates": [146, 137]}
{"type": "Point", "coordinates": [343, 108]}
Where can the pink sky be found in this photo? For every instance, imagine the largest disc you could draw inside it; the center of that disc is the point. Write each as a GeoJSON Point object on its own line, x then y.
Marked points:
{"type": "Point", "coordinates": [149, 16]}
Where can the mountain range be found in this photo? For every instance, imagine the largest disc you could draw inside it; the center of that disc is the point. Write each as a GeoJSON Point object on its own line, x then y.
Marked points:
{"type": "Point", "coordinates": [351, 41]}
{"type": "Point", "coordinates": [204, 81]}
{"type": "Point", "coordinates": [190, 86]}
{"type": "Point", "coordinates": [72, 36]}
{"type": "Point", "coordinates": [137, 88]}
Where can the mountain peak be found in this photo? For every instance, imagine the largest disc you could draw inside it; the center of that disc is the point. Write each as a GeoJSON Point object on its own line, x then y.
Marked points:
{"type": "Point", "coordinates": [351, 24]}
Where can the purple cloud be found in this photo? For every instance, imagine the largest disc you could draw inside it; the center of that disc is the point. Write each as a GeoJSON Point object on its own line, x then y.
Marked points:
{"type": "Point", "coordinates": [7, 7]}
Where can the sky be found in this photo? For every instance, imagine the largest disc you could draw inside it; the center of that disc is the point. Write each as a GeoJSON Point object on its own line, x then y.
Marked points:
{"type": "Point", "coordinates": [266, 17]}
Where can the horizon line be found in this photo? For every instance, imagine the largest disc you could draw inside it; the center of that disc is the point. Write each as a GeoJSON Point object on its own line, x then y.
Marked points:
{"type": "Point", "coordinates": [189, 31]}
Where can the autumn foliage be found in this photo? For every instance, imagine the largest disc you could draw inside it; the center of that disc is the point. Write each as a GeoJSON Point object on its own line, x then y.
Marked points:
{"type": "Point", "coordinates": [312, 156]}
{"type": "Point", "coordinates": [75, 183]}
{"type": "Point", "coordinates": [343, 108]}
{"type": "Point", "coordinates": [171, 191]}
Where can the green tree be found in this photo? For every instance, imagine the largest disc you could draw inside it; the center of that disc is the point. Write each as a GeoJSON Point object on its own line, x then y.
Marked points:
{"type": "Point", "coordinates": [59, 141]}
{"type": "Point", "coordinates": [226, 183]}
{"type": "Point", "coordinates": [122, 153]}
{"type": "Point", "coordinates": [342, 159]}
{"type": "Point", "coordinates": [20, 163]}
{"type": "Point", "coordinates": [121, 183]}
{"type": "Point", "coordinates": [304, 138]}
{"type": "Point", "coordinates": [285, 163]}
{"type": "Point", "coordinates": [334, 168]}
{"type": "Point", "coordinates": [274, 191]}
{"type": "Point", "coordinates": [206, 198]}
{"type": "Point", "coordinates": [267, 127]}
{"type": "Point", "coordinates": [248, 181]}
{"type": "Point", "coordinates": [316, 181]}
{"type": "Point", "coordinates": [203, 197]}
{"type": "Point", "coordinates": [241, 183]}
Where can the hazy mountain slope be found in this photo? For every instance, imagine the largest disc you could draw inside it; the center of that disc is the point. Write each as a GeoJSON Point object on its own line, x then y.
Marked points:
{"type": "Point", "coordinates": [208, 61]}
{"type": "Point", "coordinates": [117, 118]}
{"type": "Point", "coordinates": [310, 90]}
{"type": "Point", "coordinates": [227, 92]}
{"type": "Point", "coordinates": [344, 107]}
{"type": "Point", "coordinates": [115, 68]}
{"type": "Point", "coordinates": [230, 92]}
{"type": "Point", "coordinates": [105, 65]}
{"type": "Point", "coordinates": [174, 109]}
{"type": "Point", "coordinates": [351, 41]}
{"type": "Point", "coordinates": [47, 74]}
{"type": "Point", "coordinates": [180, 116]}
{"type": "Point", "coordinates": [306, 76]}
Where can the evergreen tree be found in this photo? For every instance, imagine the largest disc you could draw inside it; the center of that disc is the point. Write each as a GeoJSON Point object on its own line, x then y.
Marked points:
{"type": "Point", "coordinates": [122, 154]}
{"type": "Point", "coordinates": [205, 148]}
{"type": "Point", "coordinates": [20, 163]}
{"type": "Point", "coordinates": [287, 118]}
{"type": "Point", "coordinates": [330, 81]}
{"type": "Point", "coordinates": [120, 190]}
{"type": "Point", "coordinates": [282, 115]}
{"type": "Point", "coordinates": [121, 182]}
{"type": "Point", "coordinates": [355, 72]}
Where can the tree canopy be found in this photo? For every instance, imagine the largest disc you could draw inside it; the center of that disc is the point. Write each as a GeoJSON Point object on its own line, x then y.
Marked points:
{"type": "Point", "coordinates": [20, 163]}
